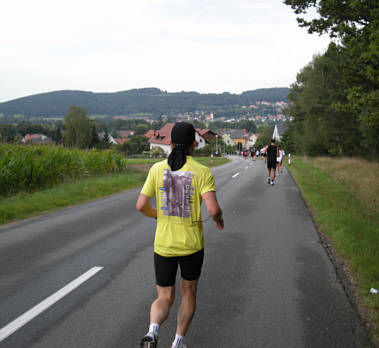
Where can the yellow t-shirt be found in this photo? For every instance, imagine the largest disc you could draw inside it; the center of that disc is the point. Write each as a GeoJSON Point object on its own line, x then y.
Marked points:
{"type": "Point", "coordinates": [178, 194]}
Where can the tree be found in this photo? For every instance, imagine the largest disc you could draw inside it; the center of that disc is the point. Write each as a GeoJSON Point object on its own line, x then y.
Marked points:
{"type": "Point", "coordinates": [95, 140]}
{"type": "Point", "coordinates": [106, 141]}
{"type": "Point", "coordinates": [157, 125]}
{"type": "Point", "coordinates": [147, 102]}
{"type": "Point", "coordinates": [265, 135]}
{"type": "Point", "coordinates": [31, 128]}
{"type": "Point", "coordinates": [337, 18]}
{"type": "Point", "coordinates": [321, 126]}
{"type": "Point", "coordinates": [355, 24]}
{"type": "Point", "coordinates": [8, 133]}
{"type": "Point", "coordinates": [135, 145]}
{"type": "Point", "coordinates": [141, 129]}
{"type": "Point", "coordinates": [287, 140]}
{"type": "Point", "coordinates": [250, 126]}
{"type": "Point", "coordinates": [58, 136]}
{"type": "Point", "coordinates": [198, 124]}
{"type": "Point", "coordinates": [78, 128]}
{"type": "Point", "coordinates": [157, 151]}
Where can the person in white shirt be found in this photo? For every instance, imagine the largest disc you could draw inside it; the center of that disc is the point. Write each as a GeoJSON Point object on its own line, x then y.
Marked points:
{"type": "Point", "coordinates": [279, 159]}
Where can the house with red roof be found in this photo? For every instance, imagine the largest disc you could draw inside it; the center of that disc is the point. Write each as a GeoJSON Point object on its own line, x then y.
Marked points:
{"type": "Point", "coordinates": [125, 133]}
{"type": "Point", "coordinates": [36, 139]}
{"type": "Point", "coordinates": [120, 141]}
{"type": "Point", "coordinates": [149, 133]}
{"type": "Point", "coordinates": [123, 136]}
{"type": "Point", "coordinates": [207, 134]}
{"type": "Point", "coordinates": [162, 138]}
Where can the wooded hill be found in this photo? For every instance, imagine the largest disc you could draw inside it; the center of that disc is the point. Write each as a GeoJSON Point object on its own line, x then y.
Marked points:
{"type": "Point", "coordinates": [150, 100]}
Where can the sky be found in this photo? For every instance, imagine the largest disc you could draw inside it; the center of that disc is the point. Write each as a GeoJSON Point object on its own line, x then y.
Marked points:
{"type": "Point", "coordinates": [208, 46]}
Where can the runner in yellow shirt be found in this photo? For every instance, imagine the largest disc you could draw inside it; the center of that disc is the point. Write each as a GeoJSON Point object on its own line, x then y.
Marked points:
{"type": "Point", "coordinates": [180, 184]}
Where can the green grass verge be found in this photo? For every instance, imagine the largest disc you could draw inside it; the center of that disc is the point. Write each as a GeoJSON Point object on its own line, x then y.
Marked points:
{"type": "Point", "coordinates": [206, 161]}
{"type": "Point", "coordinates": [352, 228]}
{"type": "Point", "coordinates": [26, 205]}
{"type": "Point", "coordinates": [216, 161]}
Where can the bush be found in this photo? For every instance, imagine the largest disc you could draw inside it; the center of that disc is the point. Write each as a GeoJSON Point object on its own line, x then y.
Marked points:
{"type": "Point", "coordinates": [157, 151]}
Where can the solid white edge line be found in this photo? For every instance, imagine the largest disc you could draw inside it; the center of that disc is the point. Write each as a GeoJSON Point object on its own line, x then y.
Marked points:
{"type": "Point", "coordinates": [235, 175]}
{"type": "Point", "coordinates": [45, 304]}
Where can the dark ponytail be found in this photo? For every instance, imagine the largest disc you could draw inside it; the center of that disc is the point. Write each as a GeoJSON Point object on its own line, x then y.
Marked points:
{"type": "Point", "coordinates": [182, 137]}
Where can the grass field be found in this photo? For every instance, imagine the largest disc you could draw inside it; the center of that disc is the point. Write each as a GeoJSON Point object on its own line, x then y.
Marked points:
{"type": "Point", "coordinates": [342, 194]}
{"type": "Point", "coordinates": [24, 205]}
{"type": "Point", "coordinates": [360, 177]}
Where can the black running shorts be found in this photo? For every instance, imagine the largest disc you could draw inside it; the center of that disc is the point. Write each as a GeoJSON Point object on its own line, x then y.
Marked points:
{"type": "Point", "coordinates": [271, 163]}
{"type": "Point", "coordinates": [166, 267]}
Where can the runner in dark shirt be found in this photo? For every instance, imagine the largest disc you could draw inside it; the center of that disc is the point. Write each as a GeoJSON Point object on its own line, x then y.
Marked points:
{"type": "Point", "coordinates": [272, 152]}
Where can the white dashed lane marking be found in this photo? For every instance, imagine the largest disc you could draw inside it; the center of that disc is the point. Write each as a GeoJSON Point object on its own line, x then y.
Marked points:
{"type": "Point", "coordinates": [45, 304]}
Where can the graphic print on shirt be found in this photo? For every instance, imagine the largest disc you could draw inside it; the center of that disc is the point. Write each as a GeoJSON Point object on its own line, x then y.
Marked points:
{"type": "Point", "coordinates": [176, 193]}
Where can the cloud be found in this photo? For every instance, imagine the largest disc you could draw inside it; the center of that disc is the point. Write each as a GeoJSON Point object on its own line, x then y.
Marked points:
{"type": "Point", "coordinates": [203, 45]}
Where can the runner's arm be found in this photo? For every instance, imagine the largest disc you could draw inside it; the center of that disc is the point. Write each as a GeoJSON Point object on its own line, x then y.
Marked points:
{"type": "Point", "coordinates": [143, 205]}
{"type": "Point", "coordinates": [214, 209]}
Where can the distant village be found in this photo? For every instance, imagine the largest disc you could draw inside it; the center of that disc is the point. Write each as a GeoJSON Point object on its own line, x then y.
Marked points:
{"type": "Point", "coordinates": [260, 112]}
{"type": "Point", "coordinates": [159, 139]}
{"type": "Point", "coordinates": [239, 139]}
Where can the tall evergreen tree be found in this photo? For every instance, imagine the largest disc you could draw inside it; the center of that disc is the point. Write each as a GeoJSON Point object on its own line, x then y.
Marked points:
{"type": "Point", "coordinates": [106, 141]}
{"type": "Point", "coordinates": [95, 141]}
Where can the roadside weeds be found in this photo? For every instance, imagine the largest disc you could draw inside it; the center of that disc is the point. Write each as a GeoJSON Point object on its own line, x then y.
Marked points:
{"type": "Point", "coordinates": [349, 231]}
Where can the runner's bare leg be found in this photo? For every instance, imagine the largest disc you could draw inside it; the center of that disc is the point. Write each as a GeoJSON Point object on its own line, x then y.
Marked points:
{"type": "Point", "coordinates": [187, 306]}
{"type": "Point", "coordinates": [160, 308]}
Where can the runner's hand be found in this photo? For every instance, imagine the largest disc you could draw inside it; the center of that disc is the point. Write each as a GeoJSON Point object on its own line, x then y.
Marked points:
{"type": "Point", "coordinates": [220, 224]}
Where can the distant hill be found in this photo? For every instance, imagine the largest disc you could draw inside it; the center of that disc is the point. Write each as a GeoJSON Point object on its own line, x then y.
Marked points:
{"type": "Point", "coordinates": [151, 100]}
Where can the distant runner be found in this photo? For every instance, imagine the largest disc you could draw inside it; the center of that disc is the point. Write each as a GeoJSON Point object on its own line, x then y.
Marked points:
{"type": "Point", "coordinates": [280, 159]}
{"type": "Point", "coordinates": [180, 184]}
{"type": "Point", "coordinates": [272, 153]}
{"type": "Point", "coordinates": [264, 153]}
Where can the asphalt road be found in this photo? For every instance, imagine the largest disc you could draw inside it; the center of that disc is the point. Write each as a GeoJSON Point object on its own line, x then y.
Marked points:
{"type": "Point", "coordinates": [266, 281]}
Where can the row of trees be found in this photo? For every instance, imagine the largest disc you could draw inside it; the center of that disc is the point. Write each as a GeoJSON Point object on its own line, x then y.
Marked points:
{"type": "Point", "coordinates": [334, 101]}
{"type": "Point", "coordinates": [76, 130]}
{"type": "Point", "coordinates": [152, 101]}
{"type": "Point", "coordinates": [81, 132]}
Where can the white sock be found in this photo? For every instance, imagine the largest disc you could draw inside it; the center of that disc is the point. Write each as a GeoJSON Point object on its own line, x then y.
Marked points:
{"type": "Point", "coordinates": [153, 329]}
{"type": "Point", "coordinates": [178, 341]}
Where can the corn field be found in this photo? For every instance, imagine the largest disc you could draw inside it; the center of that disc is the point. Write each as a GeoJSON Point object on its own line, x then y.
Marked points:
{"type": "Point", "coordinates": [31, 168]}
